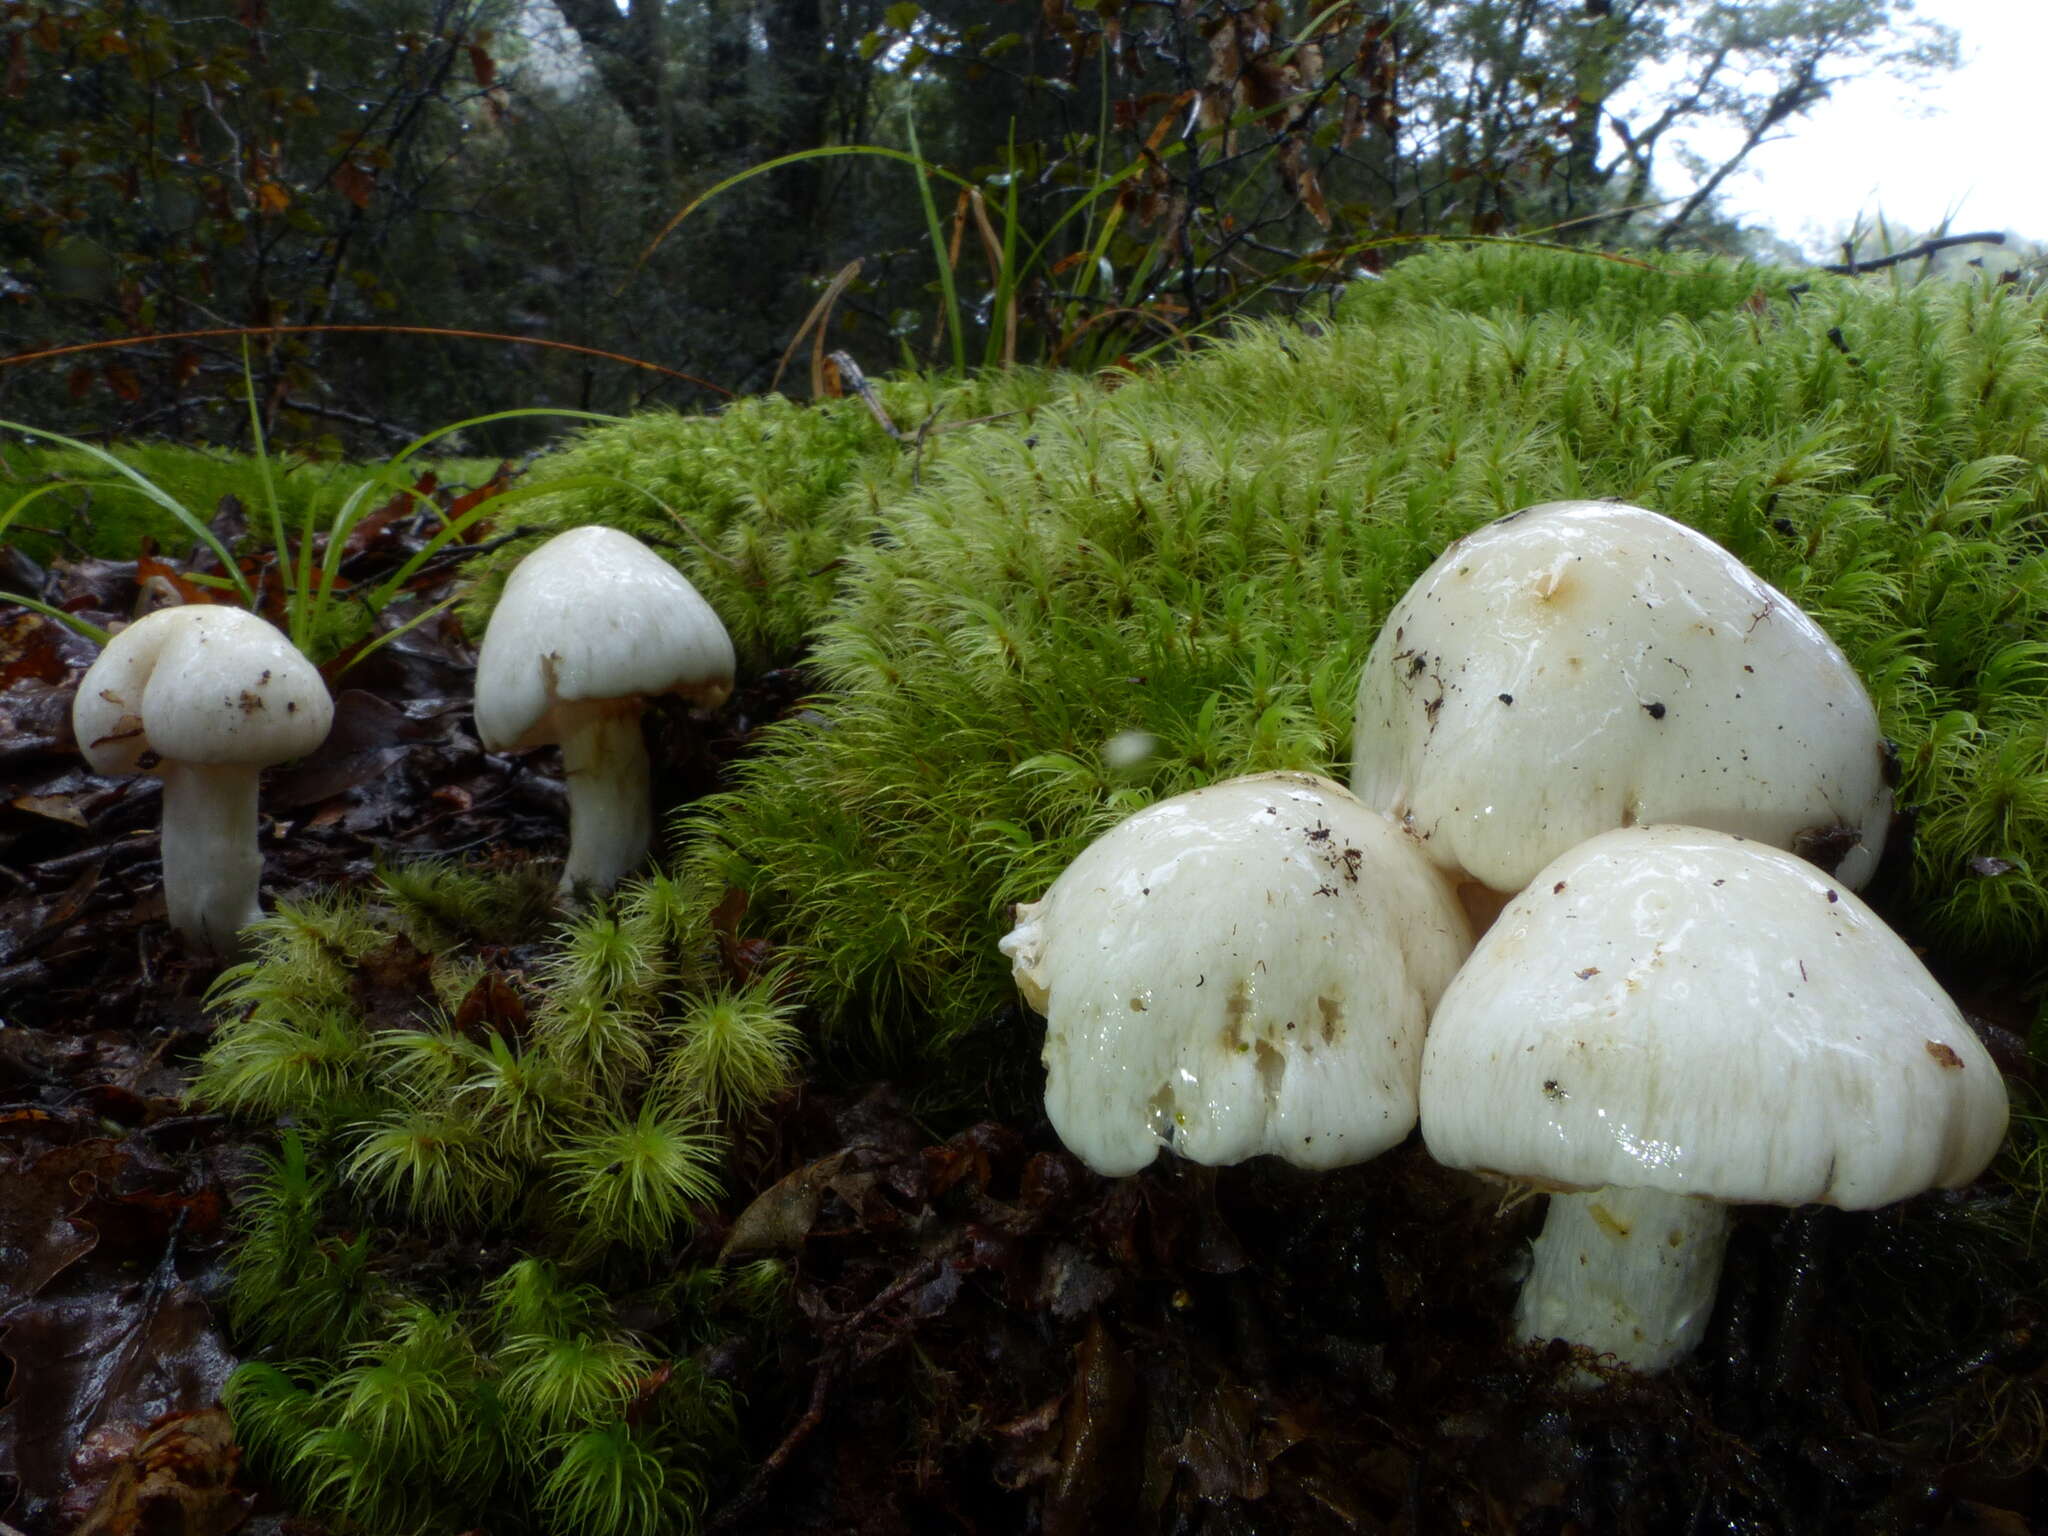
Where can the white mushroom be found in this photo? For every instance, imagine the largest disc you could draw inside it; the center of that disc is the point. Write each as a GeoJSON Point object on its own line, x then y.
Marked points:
{"type": "Point", "coordinates": [590, 626]}
{"type": "Point", "coordinates": [1667, 1019]}
{"type": "Point", "coordinates": [1241, 969]}
{"type": "Point", "coordinates": [206, 697]}
{"type": "Point", "coordinates": [1583, 665]}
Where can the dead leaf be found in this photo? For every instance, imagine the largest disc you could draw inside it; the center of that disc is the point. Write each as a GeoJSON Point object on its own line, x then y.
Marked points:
{"type": "Point", "coordinates": [41, 1233]}
{"type": "Point", "coordinates": [31, 648]}
{"type": "Point", "coordinates": [1098, 1412]}
{"type": "Point", "coordinates": [389, 982]}
{"type": "Point", "coordinates": [117, 1350]}
{"type": "Point", "coordinates": [782, 1215]}
{"type": "Point", "coordinates": [175, 1475]}
{"type": "Point", "coordinates": [491, 1005]}
{"type": "Point", "coordinates": [55, 807]}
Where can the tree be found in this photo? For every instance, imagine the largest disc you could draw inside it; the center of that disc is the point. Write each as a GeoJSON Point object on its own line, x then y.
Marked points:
{"type": "Point", "coordinates": [1268, 149]}
{"type": "Point", "coordinates": [169, 171]}
{"type": "Point", "coordinates": [1124, 174]}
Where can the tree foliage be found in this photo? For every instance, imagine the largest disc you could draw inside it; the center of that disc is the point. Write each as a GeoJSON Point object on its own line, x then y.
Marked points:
{"type": "Point", "coordinates": [1104, 175]}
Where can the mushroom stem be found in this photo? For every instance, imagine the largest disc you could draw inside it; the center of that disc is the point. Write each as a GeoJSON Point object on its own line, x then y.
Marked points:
{"type": "Point", "coordinates": [610, 788]}
{"type": "Point", "coordinates": [212, 863]}
{"type": "Point", "coordinates": [1625, 1272]}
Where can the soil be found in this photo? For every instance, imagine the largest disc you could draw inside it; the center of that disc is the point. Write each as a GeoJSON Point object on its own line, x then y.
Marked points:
{"type": "Point", "coordinates": [980, 1334]}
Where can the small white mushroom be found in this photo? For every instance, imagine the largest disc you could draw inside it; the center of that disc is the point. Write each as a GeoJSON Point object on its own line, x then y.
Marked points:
{"type": "Point", "coordinates": [591, 625]}
{"type": "Point", "coordinates": [1668, 1019]}
{"type": "Point", "coordinates": [1583, 665]}
{"type": "Point", "coordinates": [1243, 969]}
{"type": "Point", "coordinates": [207, 697]}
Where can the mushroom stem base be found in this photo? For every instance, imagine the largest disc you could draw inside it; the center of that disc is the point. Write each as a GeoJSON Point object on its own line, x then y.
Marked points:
{"type": "Point", "coordinates": [1626, 1272]}
{"type": "Point", "coordinates": [212, 862]}
{"type": "Point", "coordinates": [611, 821]}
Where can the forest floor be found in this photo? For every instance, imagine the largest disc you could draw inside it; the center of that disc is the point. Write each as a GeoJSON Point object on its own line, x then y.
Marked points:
{"type": "Point", "coordinates": [981, 1335]}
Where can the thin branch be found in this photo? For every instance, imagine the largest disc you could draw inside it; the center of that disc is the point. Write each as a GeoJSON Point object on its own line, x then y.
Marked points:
{"type": "Point", "coordinates": [1924, 248]}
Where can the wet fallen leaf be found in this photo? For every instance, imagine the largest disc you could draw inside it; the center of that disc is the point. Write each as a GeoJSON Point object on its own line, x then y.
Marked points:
{"type": "Point", "coordinates": [176, 1475]}
{"type": "Point", "coordinates": [781, 1216]}
{"type": "Point", "coordinates": [1098, 1414]}
{"type": "Point", "coordinates": [55, 807]}
{"type": "Point", "coordinates": [491, 1005]}
{"type": "Point", "coordinates": [41, 1232]}
{"type": "Point", "coordinates": [105, 1350]}
{"type": "Point", "coordinates": [31, 649]}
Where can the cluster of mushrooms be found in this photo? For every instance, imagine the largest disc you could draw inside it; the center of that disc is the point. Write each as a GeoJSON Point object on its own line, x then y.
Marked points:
{"type": "Point", "coordinates": [1588, 736]}
{"type": "Point", "coordinates": [1593, 739]}
{"type": "Point", "coordinates": [591, 625]}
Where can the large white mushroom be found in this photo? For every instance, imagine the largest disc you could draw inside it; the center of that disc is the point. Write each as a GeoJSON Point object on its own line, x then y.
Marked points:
{"type": "Point", "coordinates": [591, 625]}
{"type": "Point", "coordinates": [206, 697]}
{"type": "Point", "coordinates": [1584, 665]}
{"type": "Point", "coordinates": [1243, 969]}
{"type": "Point", "coordinates": [1668, 1020]}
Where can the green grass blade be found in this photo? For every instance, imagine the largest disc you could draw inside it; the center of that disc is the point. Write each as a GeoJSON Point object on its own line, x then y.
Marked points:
{"type": "Point", "coordinates": [824, 152]}
{"type": "Point", "coordinates": [378, 642]}
{"type": "Point", "coordinates": [298, 621]}
{"type": "Point", "coordinates": [156, 493]}
{"type": "Point", "coordinates": [71, 621]}
{"type": "Point", "coordinates": [938, 234]}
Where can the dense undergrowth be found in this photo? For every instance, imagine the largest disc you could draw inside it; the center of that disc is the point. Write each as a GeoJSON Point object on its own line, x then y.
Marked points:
{"type": "Point", "coordinates": [1021, 633]}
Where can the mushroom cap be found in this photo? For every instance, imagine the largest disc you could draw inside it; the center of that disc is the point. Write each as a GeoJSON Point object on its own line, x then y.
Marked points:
{"type": "Point", "coordinates": [1584, 665]}
{"type": "Point", "coordinates": [1241, 969]}
{"type": "Point", "coordinates": [1676, 1009]}
{"type": "Point", "coordinates": [200, 684]}
{"type": "Point", "coordinates": [593, 615]}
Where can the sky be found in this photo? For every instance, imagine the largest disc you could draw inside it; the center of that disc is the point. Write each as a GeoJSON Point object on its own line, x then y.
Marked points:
{"type": "Point", "coordinates": [1968, 144]}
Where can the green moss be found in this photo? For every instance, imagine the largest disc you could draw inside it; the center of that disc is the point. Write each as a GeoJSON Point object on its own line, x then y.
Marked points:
{"type": "Point", "coordinates": [1203, 557]}
{"type": "Point", "coordinates": [759, 504]}
{"type": "Point", "coordinates": [1618, 292]}
{"type": "Point", "coordinates": [413, 1265]}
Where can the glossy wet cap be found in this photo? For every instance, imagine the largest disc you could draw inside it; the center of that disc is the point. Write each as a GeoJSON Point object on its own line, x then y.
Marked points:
{"type": "Point", "coordinates": [1243, 969]}
{"type": "Point", "coordinates": [593, 615]}
{"type": "Point", "coordinates": [202, 684]}
{"type": "Point", "coordinates": [1676, 1009]}
{"type": "Point", "coordinates": [1585, 665]}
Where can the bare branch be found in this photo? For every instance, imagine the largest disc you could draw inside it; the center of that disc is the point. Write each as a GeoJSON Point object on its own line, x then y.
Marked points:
{"type": "Point", "coordinates": [1924, 248]}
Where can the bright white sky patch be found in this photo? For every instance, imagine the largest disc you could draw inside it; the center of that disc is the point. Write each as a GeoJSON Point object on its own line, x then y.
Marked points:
{"type": "Point", "coordinates": [1967, 144]}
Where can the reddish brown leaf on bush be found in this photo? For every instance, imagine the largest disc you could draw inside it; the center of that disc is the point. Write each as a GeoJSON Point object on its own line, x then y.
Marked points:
{"type": "Point", "coordinates": [354, 183]}
{"type": "Point", "coordinates": [122, 380]}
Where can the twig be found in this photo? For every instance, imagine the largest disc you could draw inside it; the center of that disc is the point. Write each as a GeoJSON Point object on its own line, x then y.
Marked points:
{"type": "Point", "coordinates": [1924, 248]}
{"type": "Point", "coordinates": [390, 429]}
{"type": "Point", "coordinates": [757, 1486]}
{"type": "Point", "coordinates": [856, 381]}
